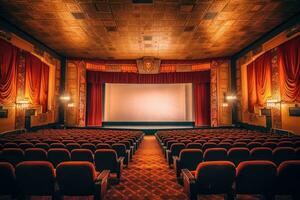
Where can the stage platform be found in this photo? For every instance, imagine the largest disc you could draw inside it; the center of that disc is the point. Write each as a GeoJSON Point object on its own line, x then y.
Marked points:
{"type": "Point", "coordinates": [148, 127]}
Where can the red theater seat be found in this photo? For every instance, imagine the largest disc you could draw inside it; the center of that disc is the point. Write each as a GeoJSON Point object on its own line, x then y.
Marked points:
{"type": "Point", "coordinates": [35, 178]}
{"type": "Point", "coordinates": [26, 145]}
{"type": "Point", "coordinates": [193, 145]}
{"type": "Point", "coordinates": [57, 145]}
{"type": "Point", "coordinates": [12, 155]}
{"type": "Point", "coordinates": [81, 179]}
{"type": "Point", "coordinates": [89, 146]}
{"type": "Point", "coordinates": [256, 177]}
{"type": "Point", "coordinates": [42, 145]}
{"type": "Point", "coordinates": [252, 145]}
{"type": "Point", "coordinates": [82, 155]}
{"type": "Point", "coordinates": [35, 154]}
{"type": "Point", "coordinates": [261, 153]}
{"type": "Point", "coordinates": [213, 177]}
{"type": "Point", "coordinates": [271, 145]}
{"type": "Point", "coordinates": [174, 151]}
{"type": "Point", "coordinates": [72, 146]}
{"type": "Point", "coordinates": [103, 146]}
{"type": "Point", "coordinates": [188, 159]}
{"type": "Point", "coordinates": [281, 154]}
{"type": "Point", "coordinates": [8, 184]}
{"type": "Point", "coordinates": [238, 154]}
{"type": "Point", "coordinates": [57, 155]}
{"type": "Point", "coordinates": [288, 178]}
{"type": "Point", "coordinates": [10, 145]}
{"type": "Point", "coordinates": [107, 159]}
{"type": "Point", "coordinates": [215, 154]}
{"type": "Point", "coordinates": [122, 152]}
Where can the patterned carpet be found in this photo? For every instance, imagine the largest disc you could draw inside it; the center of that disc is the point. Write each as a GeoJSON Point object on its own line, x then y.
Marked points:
{"type": "Point", "coordinates": [147, 177]}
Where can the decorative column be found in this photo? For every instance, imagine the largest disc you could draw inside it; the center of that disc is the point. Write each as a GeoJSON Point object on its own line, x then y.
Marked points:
{"type": "Point", "coordinates": [20, 113]}
{"type": "Point", "coordinates": [82, 93]}
{"type": "Point", "coordinates": [213, 94]}
{"type": "Point", "coordinates": [276, 110]}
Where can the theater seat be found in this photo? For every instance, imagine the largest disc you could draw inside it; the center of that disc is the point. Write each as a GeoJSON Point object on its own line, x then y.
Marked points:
{"type": "Point", "coordinates": [271, 145]}
{"type": "Point", "coordinates": [72, 146]}
{"type": "Point", "coordinates": [81, 179]}
{"type": "Point", "coordinates": [187, 159]}
{"type": "Point", "coordinates": [26, 145]}
{"type": "Point", "coordinates": [194, 145]}
{"type": "Point", "coordinates": [288, 176]}
{"type": "Point", "coordinates": [103, 146]}
{"type": "Point", "coordinates": [281, 154]}
{"type": "Point", "coordinates": [261, 153]}
{"type": "Point", "coordinates": [82, 155]}
{"type": "Point", "coordinates": [122, 152]}
{"type": "Point", "coordinates": [89, 146]}
{"type": "Point", "coordinates": [35, 154]}
{"type": "Point", "coordinates": [8, 184]}
{"type": "Point", "coordinates": [215, 154]}
{"type": "Point", "coordinates": [213, 177]}
{"type": "Point", "coordinates": [107, 159]}
{"type": "Point", "coordinates": [12, 155]}
{"type": "Point", "coordinates": [174, 151]}
{"type": "Point", "coordinates": [42, 145]}
{"type": "Point", "coordinates": [238, 154]}
{"type": "Point", "coordinates": [256, 177]}
{"type": "Point", "coordinates": [35, 178]}
{"type": "Point", "coordinates": [58, 155]}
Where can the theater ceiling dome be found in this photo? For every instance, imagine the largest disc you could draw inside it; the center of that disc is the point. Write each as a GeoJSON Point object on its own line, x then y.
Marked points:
{"type": "Point", "coordinates": [167, 29]}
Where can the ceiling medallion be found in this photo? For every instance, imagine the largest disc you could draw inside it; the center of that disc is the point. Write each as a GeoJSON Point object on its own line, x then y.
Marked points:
{"type": "Point", "coordinates": [148, 65]}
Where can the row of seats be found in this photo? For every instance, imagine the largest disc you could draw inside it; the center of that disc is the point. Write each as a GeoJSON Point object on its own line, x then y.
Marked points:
{"type": "Point", "coordinates": [39, 178]}
{"type": "Point", "coordinates": [190, 158]}
{"type": "Point", "coordinates": [249, 177]}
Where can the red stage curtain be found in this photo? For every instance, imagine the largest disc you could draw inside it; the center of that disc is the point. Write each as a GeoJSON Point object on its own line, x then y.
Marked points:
{"type": "Point", "coordinates": [263, 73]}
{"type": "Point", "coordinates": [259, 78]}
{"type": "Point", "coordinates": [95, 80]}
{"type": "Point", "coordinates": [94, 104]}
{"type": "Point", "coordinates": [8, 66]}
{"type": "Point", "coordinates": [44, 87]}
{"type": "Point", "coordinates": [177, 77]}
{"type": "Point", "coordinates": [289, 68]}
{"type": "Point", "coordinates": [33, 78]}
{"type": "Point", "coordinates": [202, 104]}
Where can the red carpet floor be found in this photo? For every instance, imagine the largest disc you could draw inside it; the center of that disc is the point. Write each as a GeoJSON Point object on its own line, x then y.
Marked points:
{"type": "Point", "coordinates": [147, 177]}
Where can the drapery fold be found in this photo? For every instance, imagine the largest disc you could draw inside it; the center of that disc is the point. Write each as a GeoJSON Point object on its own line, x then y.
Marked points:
{"type": "Point", "coordinates": [36, 81]}
{"type": "Point", "coordinates": [94, 104]}
{"type": "Point", "coordinates": [8, 73]}
{"type": "Point", "coordinates": [202, 104]}
{"type": "Point", "coordinates": [259, 80]}
{"type": "Point", "coordinates": [289, 70]}
{"type": "Point", "coordinates": [201, 80]}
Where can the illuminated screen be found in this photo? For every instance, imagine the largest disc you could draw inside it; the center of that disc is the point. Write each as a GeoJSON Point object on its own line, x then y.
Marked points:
{"type": "Point", "coordinates": [148, 102]}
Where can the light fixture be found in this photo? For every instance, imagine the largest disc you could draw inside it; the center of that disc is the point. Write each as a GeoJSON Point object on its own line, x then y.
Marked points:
{"type": "Point", "coordinates": [22, 102]}
{"type": "Point", "coordinates": [71, 105]}
{"type": "Point", "coordinates": [272, 102]}
{"type": "Point", "coordinates": [65, 97]}
{"type": "Point", "coordinates": [225, 104]}
{"type": "Point", "coordinates": [230, 97]}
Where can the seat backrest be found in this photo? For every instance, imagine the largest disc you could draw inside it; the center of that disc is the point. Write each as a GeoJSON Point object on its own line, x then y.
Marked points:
{"type": "Point", "coordinates": [252, 145]}
{"type": "Point", "coordinates": [57, 145]}
{"type": "Point", "coordinates": [8, 179]}
{"type": "Point", "coordinates": [42, 145]}
{"type": "Point", "coordinates": [285, 144]}
{"type": "Point", "coordinates": [72, 146]}
{"type": "Point", "coordinates": [190, 158]}
{"type": "Point", "coordinates": [103, 146]}
{"type": "Point", "coordinates": [239, 144]}
{"type": "Point", "coordinates": [193, 145]}
{"type": "Point", "coordinates": [281, 154]}
{"type": "Point", "coordinates": [82, 155]}
{"type": "Point", "coordinates": [255, 177]}
{"type": "Point", "coordinates": [35, 177]}
{"type": "Point", "coordinates": [209, 174]}
{"type": "Point", "coordinates": [10, 145]}
{"type": "Point", "coordinates": [176, 148]}
{"type": "Point", "coordinates": [105, 159]}
{"type": "Point", "coordinates": [76, 178]}
{"type": "Point", "coordinates": [261, 153]}
{"type": "Point", "coordinates": [35, 154]}
{"type": "Point", "coordinates": [26, 145]}
{"type": "Point", "coordinates": [58, 155]}
{"type": "Point", "coordinates": [288, 173]}
{"type": "Point", "coordinates": [89, 146]}
{"type": "Point", "coordinates": [208, 145]}
{"type": "Point", "coordinates": [12, 155]}
{"type": "Point", "coordinates": [215, 154]}
{"type": "Point", "coordinates": [225, 145]}
{"type": "Point", "coordinates": [271, 145]}
{"type": "Point", "coordinates": [238, 154]}
{"type": "Point", "coordinates": [120, 149]}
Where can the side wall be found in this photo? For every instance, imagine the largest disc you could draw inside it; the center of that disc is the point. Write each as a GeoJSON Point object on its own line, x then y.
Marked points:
{"type": "Point", "coordinates": [16, 116]}
{"type": "Point", "coordinates": [280, 115]}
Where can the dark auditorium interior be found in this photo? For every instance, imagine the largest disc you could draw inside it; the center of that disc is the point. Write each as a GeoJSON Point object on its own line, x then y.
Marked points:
{"type": "Point", "coordinates": [150, 99]}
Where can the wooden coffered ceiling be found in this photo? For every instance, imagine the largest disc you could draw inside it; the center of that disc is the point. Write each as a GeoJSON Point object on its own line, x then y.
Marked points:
{"type": "Point", "coordinates": [167, 29]}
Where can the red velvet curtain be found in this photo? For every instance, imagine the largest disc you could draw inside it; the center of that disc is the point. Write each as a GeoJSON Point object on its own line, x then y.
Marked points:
{"type": "Point", "coordinates": [44, 87]}
{"type": "Point", "coordinates": [36, 81]}
{"type": "Point", "coordinates": [289, 68]}
{"type": "Point", "coordinates": [8, 68]}
{"type": "Point", "coordinates": [202, 104]}
{"type": "Point", "coordinates": [94, 104]}
{"type": "Point", "coordinates": [95, 80]}
{"type": "Point", "coordinates": [259, 77]}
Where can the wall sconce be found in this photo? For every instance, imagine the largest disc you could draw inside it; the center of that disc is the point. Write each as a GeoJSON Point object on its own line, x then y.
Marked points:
{"type": "Point", "coordinates": [22, 102]}
{"type": "Point", "coordinates": [225, 104]}
{"type": "Point", "coordinates": [65, 98]}
{"type": "Point", "coordinates": [71, 105]}
{"type": "Point", "coordinates": [272, 103]}
{"type": "Point", "coordinates": [230, 97]}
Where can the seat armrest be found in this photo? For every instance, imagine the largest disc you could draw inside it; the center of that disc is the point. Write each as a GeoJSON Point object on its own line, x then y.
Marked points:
{"type": "Point", "coordinates": [176, 165]}
{"type": "Point", "coordinates": [121, 160]}
{"type": "Point", "coordinates": [101, 184]}
{"type": "Point", "coordinates": [189, 183]}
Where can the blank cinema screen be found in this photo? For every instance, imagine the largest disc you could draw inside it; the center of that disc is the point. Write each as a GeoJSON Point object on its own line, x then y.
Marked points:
{"type": "Point", "coordinates": [148, 102]}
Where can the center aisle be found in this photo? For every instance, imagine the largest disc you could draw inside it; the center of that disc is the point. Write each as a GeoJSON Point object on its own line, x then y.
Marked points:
{"type": "Point", "coordinates": [147, 177]}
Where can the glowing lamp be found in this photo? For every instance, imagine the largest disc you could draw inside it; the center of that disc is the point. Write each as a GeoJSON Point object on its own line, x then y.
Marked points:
{"type": "Point", "coordinates": [272, 102]}
{"type": "Point", "coordinates": [225, 104]}
{"type": "Point", "coordinates": [65, 98]}
{"type": "Point", "coordinates": [70, 105]}
{"type": "Point", "coordinates": [231, 97]}
{"type": "Point", "coordinates": [23, 102]}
